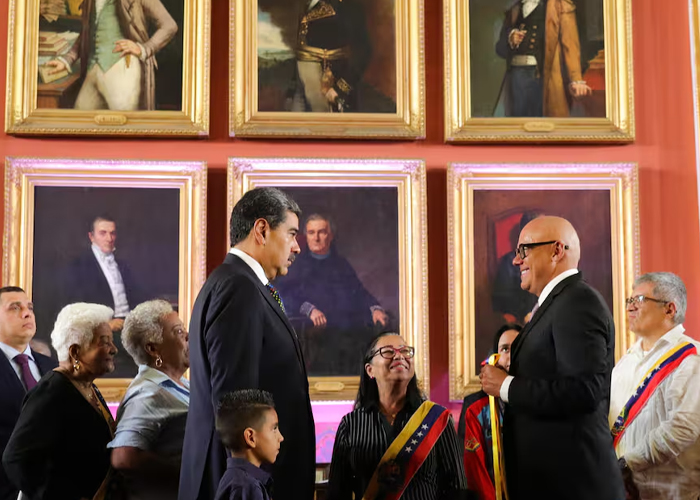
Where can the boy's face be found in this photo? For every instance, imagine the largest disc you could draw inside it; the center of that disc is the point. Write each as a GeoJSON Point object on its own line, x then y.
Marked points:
{"type": "Point", "coordinates": [268, 438]}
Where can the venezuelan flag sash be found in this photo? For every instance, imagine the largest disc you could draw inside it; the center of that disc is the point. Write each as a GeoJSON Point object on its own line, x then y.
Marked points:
{"type": "Point", "coordinates": [407, 453]}
{"type": "Point", "coordinates": [499, 472]}
{"type": "Point", "coordinates": [651, 381]}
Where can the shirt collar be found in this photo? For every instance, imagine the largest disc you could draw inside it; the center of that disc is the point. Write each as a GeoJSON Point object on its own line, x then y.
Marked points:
{"type": "Point", "coordinates": [100, 254]}
{"type": "Point", "coordinates": [670, 338]}
{"type": "Point", "coordinates": [252, 470]}
{"type": "Point", "coordinates": [11, 352]}
{"type": "Point", "coordinates": [158, 377]}
{"type": "Point", "coordinates": [550, 286]}
{"type": "Point", "coordinates": [252, 263]}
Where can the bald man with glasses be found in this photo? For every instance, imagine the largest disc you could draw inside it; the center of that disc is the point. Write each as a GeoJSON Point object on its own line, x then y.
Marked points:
{"type": "Point", "coordinates": [556, 439]}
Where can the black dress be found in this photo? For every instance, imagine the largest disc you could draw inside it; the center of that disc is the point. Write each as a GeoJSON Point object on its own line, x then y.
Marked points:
{"type": "Point", "coordinates": [58, 449]}
{"type": "Point", "coordinates": [363, 437]}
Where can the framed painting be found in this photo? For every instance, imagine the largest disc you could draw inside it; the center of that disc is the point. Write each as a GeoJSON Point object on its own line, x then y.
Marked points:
{"type": "Point", "coordinates": [487, 207]}
{"type": "Point", "coordinates": [327, 68]}
{"type": "Point", "coordinates": [153, 218]}
{"type": "Point", "coordinates": [121, 67]}
{"type": "Point", "coordinates": [363, 260]}
{"type": "Point", "coordinates": [538, 70]}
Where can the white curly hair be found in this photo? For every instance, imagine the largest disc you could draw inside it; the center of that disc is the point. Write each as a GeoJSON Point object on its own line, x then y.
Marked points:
{"type": "Point", "coordinates": [143, 326]}
{"type": "Point", "coordinates": [76, 324]}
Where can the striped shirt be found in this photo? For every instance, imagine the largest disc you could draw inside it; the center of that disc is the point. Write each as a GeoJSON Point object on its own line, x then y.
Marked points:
{"type": "Point", "coordinates": [363, 437]}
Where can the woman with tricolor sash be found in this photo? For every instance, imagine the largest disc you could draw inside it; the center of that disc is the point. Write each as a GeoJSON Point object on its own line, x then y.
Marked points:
{"type": "Point", "coordinates": [395, 444]}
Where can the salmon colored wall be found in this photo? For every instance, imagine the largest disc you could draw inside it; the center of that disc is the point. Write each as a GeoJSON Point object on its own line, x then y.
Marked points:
{"type": "Point", "coordinates": [664, 150]}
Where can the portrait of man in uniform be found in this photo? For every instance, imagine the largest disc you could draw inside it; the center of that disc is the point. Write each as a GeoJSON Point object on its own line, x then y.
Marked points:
{"type": "Point", "coordinates": [326, 56]}
{"type": "Point", "coordinates": [547, 59]}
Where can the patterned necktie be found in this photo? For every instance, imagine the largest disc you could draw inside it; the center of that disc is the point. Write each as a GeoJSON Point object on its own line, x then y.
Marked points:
{"type": "Point", "coordinates": [23, 361]}
{"type": "Point", "coordinates": [276, 295]}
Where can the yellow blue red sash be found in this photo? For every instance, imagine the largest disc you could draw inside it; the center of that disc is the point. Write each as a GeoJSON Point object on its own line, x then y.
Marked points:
{"type": "Point", "coordinates": [499, 471]}
{"type": "Point", "coordinates": [407, 453]}
{"type": "Point", "coordinates": [653, 378]}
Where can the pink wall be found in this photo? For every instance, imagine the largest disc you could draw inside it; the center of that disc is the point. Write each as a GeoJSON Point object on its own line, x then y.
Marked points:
{"type": "Point", "coordinates": [664, 150]}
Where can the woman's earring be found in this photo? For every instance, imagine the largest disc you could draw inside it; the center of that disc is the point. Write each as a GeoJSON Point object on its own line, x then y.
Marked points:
{"type": "Point", "coordinates": [76, 365]}
{"type": "Point", "coordinates": [159, 361]}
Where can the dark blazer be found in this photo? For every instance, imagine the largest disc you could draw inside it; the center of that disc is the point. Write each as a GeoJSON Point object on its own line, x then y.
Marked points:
{"type": "Point", "coordinates": [241, 339]}
{"type": "Point", "coordinates": [557, 442]}
{"type": "Point", "coordinates": [11, 395]}
{"type": "Point", "coordinates": [59, 446]}
{"type": "Point", "coordinates": [85, 282]}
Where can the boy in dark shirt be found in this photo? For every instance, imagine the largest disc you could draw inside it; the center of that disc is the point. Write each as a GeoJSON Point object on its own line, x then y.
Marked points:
{"type": "Point", "coordinates": [247, 423]}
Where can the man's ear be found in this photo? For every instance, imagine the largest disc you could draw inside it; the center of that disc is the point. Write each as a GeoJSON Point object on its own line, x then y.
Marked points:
{"type": "Point", "coordinates": [260, 230]}
{"type": "Point", "coordinates": [249, 437]}
{"type": "Point", "coordinates": [671, 309]}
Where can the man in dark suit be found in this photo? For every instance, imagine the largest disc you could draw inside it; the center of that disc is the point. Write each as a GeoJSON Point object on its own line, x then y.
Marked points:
{"type": "Point", "coordinates": [20, 367]}
{"type": "Point", "coordinates": [556, 439]}
{"type": "Point", "coordinates": [240, 338]}
{"type": "Point", "coordinates": [96, 276]}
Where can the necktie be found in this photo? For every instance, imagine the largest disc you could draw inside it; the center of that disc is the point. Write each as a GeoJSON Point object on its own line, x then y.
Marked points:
{"type": "Point", "coordinates": [276, 295]}
{"type": "Point", "coordinates": [23, 361]}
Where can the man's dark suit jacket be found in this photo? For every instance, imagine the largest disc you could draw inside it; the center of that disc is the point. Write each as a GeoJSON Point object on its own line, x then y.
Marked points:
{"type": "Point", "coordinates": [241, 339]}
{"type": "Point", "coordinates": [557, 442]}
{"type": "Point", "coordinates": [11, 395]}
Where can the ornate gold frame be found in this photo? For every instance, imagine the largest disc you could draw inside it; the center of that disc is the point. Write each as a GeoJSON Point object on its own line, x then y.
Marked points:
{"type": "Point", "coordinates": [23, 118]}
{"type": "Point", "coordinates": [620, 179]}
{"type": "Point", "coordinates": [407, 123]}
{"type": "Point", "coordinates": [408, 177]}
{"type": "Point", "coordinates": [22, 175]}
{"type": "Point", "coordinates": [617, 126]}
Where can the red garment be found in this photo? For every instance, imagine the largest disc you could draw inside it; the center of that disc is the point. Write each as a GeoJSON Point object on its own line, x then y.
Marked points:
{"type": "Point", "coordinates": [475, 431]}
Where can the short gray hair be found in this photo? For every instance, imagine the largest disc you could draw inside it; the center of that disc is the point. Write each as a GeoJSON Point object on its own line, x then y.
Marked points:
{"type": "Point", "coordinates": [142, 326]}
{"type": "Point", "coordinates": [668, 287]}
{"type": "Point", "coordinates": [76, 325]}
{"type": "Point", "coordinates": [317, 216]}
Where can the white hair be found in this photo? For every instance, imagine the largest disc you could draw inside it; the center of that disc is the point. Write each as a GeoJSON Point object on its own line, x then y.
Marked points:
{"type": "Point", "coordinates": [76, 325]}
{"type": "Point", "coordinates": [668, 287]}
{"type": "Point", "coordinates": [143, 326]}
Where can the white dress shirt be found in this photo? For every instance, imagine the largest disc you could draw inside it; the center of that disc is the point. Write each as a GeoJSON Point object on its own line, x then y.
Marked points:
{"type": "Point", "coordinates": [252, 263]}
{"type": "Point", "coordinates": [661, 444]}
{"type": "Point", "coordinates": [110, 269]}
{"type": "Point", "coordinates": [529, 6]}
{"type": "Point", "coordinates": [505, 386]}
{"type": "Point", "coordinates": [312, 3]}
{"type": "Point", "coordinates": [11, 352]}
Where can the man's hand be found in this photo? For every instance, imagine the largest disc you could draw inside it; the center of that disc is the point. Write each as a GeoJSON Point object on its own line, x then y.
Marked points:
{"type": "Point", "coordinates": [379, 316]}
{"type": "Point", "coordinates": [492, 378]}
{"type": "Point", "coordinates": [127, 47]}
{"type": "Point", "coordinates": [116, 324]}
{"type": "Point", "coordinates": [317, 317]}
{"type": "Point", "coordinates": [57, 66]}
{"type": "Point", "coordinates": [516, 37]}
{"type": "Point", "coordinates": [579, 90]}
{"type": "Point", "coordinates": [331, 95]}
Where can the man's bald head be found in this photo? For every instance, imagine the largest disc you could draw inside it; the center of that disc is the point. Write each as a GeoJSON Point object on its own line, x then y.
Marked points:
{"type": "Point", "coordinates": [543, 263]}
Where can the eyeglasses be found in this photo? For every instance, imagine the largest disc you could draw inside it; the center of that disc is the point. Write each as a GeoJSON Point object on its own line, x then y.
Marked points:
{"type": "Point", "coordinates": [389, 352]}
{"type": "Point", "coordinates": [521, 251]}
{"type": "Point", "coordinates": [638, 300]}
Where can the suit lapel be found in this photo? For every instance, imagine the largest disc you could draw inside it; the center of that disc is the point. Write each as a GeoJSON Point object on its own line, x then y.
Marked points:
{"type": "Point", "coordinates": [520, 339]}
{"type": "Point", "coordinates": [9, 373]}
{"type": "Point", "coordinates": [238, 262]}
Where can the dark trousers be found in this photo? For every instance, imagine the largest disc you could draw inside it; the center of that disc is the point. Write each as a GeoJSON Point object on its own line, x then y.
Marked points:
{"type": "Point", "coordinates": [526, 95]}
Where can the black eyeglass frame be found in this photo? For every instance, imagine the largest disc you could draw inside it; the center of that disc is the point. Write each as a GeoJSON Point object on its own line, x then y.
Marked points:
{"type": "Point", "coordinates": [393, 351]}
{"type": "Point", "coordinates": [640, 299]}
{"type": "Point", "coordinates": [520, 250]}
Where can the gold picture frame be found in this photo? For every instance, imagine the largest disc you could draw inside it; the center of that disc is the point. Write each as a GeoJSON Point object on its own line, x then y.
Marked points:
{"type": "Point", "coordinates": [49, 204]}
{"type": "Point", "coordinates": [487, 204]}
{"type": "Point", "coordinates": [478, 106]}
{"type": "Point", "coordinates": [40, 103]}
{"type": "Point", "coordinates": [265, 37]}
{"type": "Point", "coordinates": [387, 251]}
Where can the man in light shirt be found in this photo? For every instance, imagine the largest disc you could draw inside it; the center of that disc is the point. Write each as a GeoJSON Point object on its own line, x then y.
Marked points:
{"type": "Point", "coordinates": [20, 367]}
{"type": "Point", "coordinates": [656, 437]}
{"type": "Point", "coordinates": [556, 439]}
{"type": "Point", "coordinates": [96, 276]}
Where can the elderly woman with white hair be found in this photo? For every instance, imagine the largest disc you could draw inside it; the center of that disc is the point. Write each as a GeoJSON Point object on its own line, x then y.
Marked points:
{"type": "Point", "coordinates": [58, 448]}
{"type": "Point", "coordinates": [147, 448]}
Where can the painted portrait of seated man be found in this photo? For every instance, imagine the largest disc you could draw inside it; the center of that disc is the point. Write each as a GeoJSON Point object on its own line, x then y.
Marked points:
{"type": "Point", "coordinates": [323, 291]}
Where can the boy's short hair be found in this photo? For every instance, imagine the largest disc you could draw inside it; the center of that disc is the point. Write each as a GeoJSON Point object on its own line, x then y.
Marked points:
{"type": "Point", "coordinates": [239, 410]}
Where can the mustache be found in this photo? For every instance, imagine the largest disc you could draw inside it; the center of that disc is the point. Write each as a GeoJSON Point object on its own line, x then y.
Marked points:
{"type": "Point", "coordinates": [292, 257]}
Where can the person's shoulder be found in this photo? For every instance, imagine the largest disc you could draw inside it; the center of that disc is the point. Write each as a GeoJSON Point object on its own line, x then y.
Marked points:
{"type": "Point", "coordinates": [43, 360]}
{"type": "Point", "coordinates": [475, 397]}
